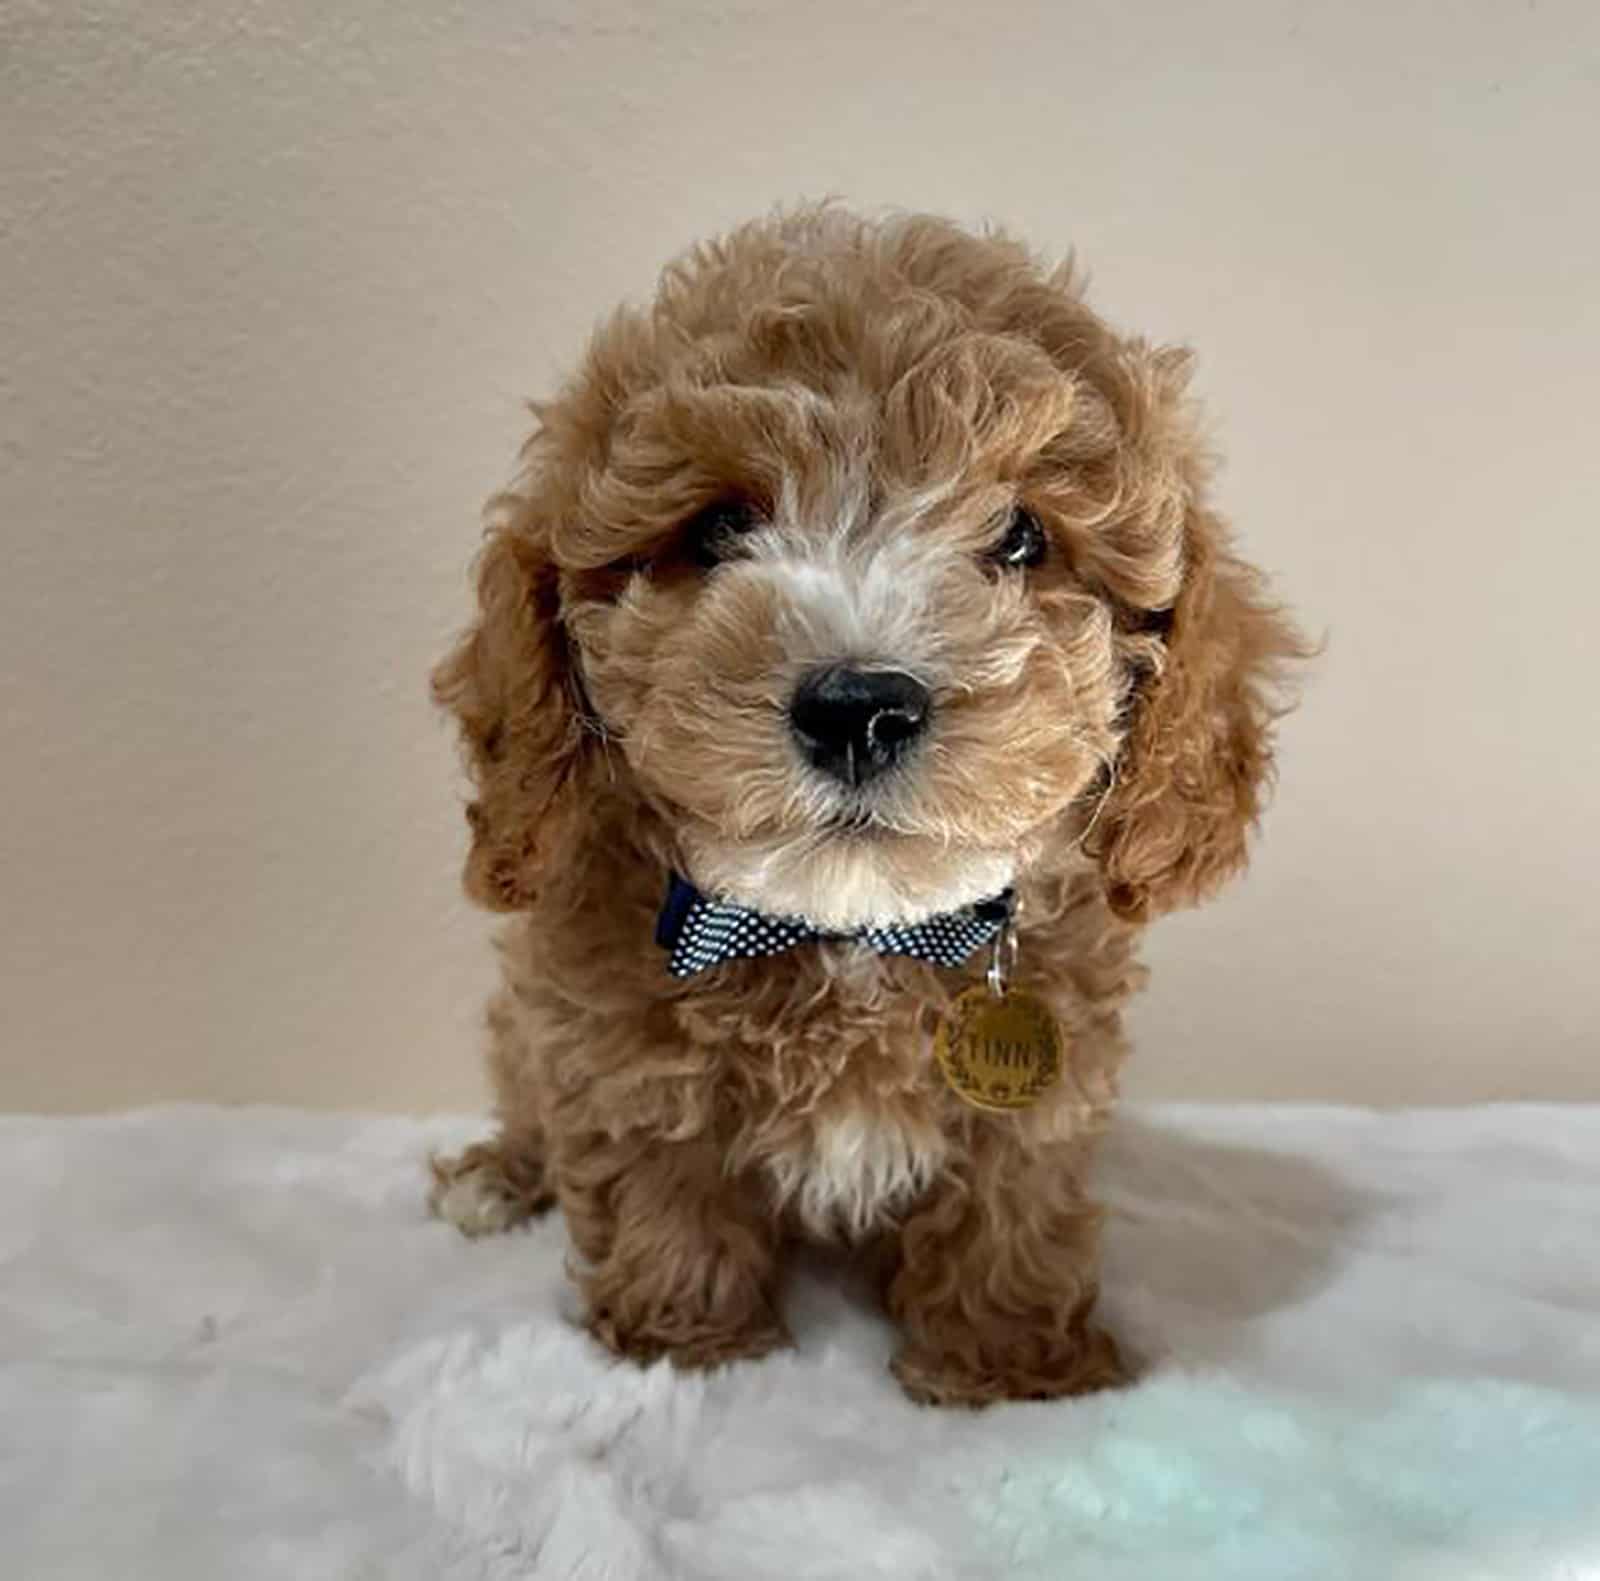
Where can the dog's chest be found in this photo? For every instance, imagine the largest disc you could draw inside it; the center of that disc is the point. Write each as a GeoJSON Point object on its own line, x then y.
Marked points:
{"type": "Point", "coordinates": [841, 1101]}
{"type": "Point", "coordinates": [847, 1172]}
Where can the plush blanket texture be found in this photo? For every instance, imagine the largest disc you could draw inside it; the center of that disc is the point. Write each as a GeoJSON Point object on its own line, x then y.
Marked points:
{"type": "Point", "coordinates": [232, 1345]}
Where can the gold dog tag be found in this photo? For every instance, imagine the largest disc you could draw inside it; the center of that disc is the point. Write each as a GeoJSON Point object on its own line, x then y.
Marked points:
{"type": "Point", "coordinates": [999, 1051]}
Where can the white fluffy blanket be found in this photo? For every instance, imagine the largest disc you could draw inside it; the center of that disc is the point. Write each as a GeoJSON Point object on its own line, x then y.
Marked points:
{"type": "Point", "coordinates": [235, 1347]}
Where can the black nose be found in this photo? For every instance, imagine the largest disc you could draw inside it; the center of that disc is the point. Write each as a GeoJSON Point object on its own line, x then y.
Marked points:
{"type": "Point", "coordinates": [854, 724]}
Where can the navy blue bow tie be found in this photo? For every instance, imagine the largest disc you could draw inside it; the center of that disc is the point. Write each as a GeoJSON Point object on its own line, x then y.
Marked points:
{"type": "Point", "coordinates": [701, 932]}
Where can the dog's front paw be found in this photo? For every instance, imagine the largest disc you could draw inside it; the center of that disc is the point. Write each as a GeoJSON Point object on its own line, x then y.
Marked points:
{"type": "Point", "coordinates": [1085, 1362]}
{"type": "Point", "coordinates": [688, 1340]}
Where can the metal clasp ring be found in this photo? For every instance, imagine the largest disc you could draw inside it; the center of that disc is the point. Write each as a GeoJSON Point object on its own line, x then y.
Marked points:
{"type": "Point", "coordinates": [1002, 958]}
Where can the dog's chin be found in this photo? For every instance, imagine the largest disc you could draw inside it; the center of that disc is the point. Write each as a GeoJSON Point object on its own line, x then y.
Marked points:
{"type": "Point", "coordinates": [850, 877]}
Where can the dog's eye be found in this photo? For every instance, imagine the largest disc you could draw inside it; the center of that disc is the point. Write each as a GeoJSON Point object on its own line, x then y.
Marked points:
{"type": "Point", "coordinates": [1024, 543]}
{"type": "Point", "coordinates": [711, 535]}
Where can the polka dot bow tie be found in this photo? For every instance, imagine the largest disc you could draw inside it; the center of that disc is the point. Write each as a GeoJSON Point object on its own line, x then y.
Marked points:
{"type": "Point", "coordinates": [699, 932]}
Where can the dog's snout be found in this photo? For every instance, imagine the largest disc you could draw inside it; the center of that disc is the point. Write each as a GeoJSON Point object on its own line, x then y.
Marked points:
{"type": "Point", "coordinates": [853, 724]}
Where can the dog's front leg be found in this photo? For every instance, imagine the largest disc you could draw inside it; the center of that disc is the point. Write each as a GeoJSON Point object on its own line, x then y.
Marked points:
{"type": "Point", "coordinates": [996, 1275]}
{"type": "Point", "coordinates": [679, 1259]}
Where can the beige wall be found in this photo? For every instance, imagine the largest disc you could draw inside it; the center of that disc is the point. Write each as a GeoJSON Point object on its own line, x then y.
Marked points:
{"type": "Point", "coordinates": [276, 278]}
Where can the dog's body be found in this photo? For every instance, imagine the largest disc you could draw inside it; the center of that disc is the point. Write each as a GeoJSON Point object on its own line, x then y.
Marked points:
{"type": "Point", "coordinates": [865, 577]}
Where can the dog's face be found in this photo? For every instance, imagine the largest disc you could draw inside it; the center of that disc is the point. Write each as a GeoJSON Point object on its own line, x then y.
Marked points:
{"type": "Point", "coordinates": [849, 647]}
{"type": "Point", "coordinates": [863, 551]}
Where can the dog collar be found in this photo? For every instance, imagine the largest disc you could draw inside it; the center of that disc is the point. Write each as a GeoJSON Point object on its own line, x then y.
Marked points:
{"type": "Point", "coordinates": [699, 931]}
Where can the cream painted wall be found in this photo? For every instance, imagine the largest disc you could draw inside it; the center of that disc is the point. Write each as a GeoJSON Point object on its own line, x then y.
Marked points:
{"type": "Point", "coordinates": [276, 277]}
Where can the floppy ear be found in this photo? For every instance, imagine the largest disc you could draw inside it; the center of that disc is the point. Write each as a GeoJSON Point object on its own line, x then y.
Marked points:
{"type": "Point", "coordinates": [510, 685]}
{"type": "Point", "coordinates": [1196, 765]}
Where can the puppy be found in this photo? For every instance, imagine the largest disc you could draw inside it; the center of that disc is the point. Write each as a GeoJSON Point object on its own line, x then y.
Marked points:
{"type": "Point", "coordinates": [858, 660]}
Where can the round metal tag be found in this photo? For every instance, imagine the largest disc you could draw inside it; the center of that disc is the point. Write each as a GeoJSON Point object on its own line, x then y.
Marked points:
{"type": "Point", "coordinates": [999, 1051]}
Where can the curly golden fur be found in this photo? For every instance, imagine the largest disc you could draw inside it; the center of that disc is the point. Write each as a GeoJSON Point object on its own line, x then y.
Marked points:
{"type": "Point", "coordinates": [882, 397]}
